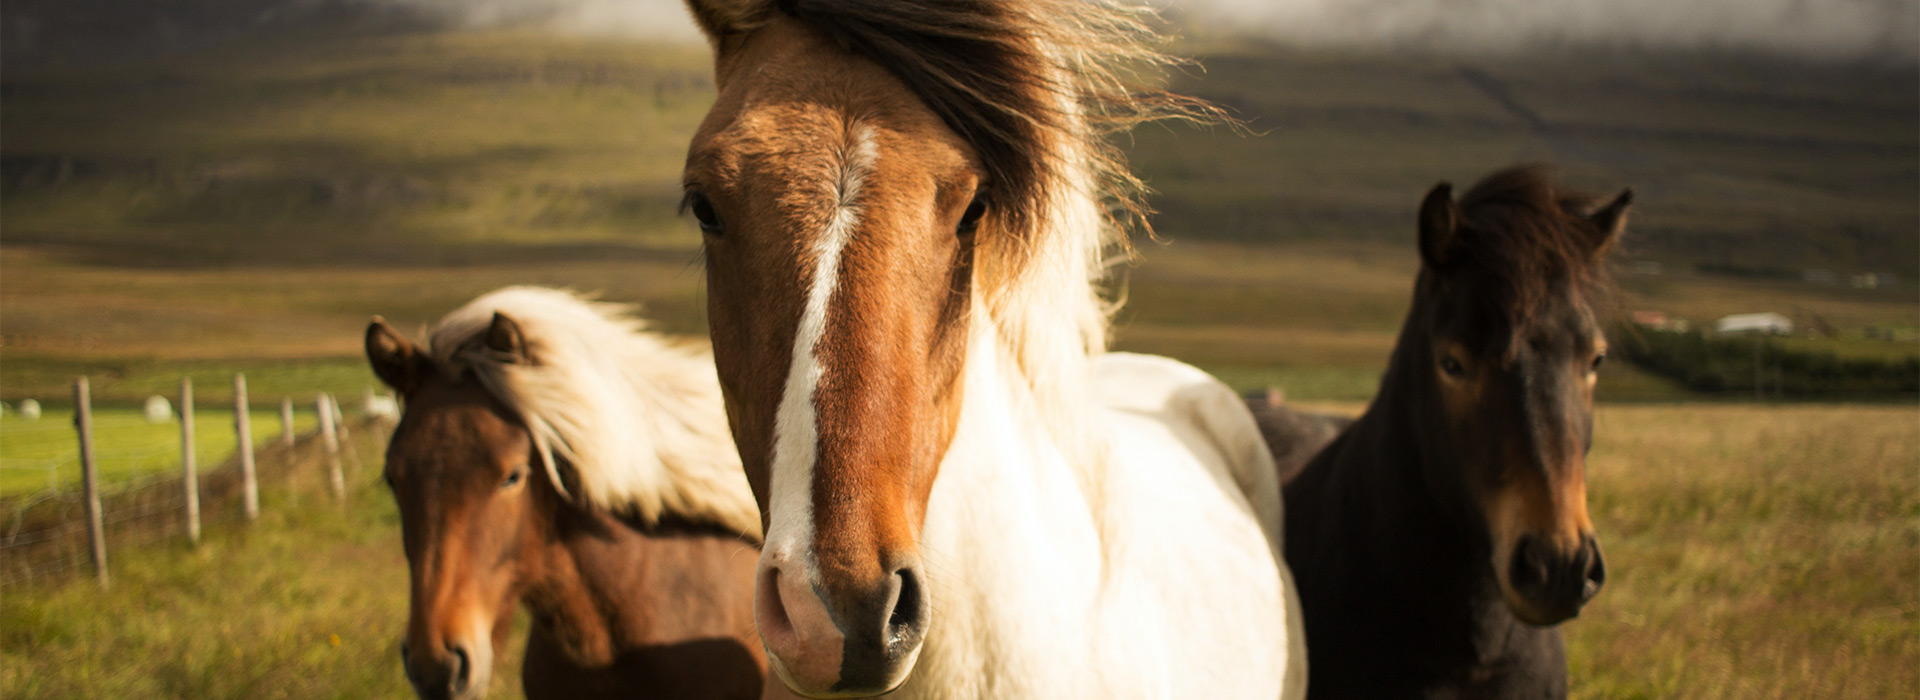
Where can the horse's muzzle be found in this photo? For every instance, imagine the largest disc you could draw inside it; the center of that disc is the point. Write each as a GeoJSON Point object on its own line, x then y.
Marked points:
{"type": "Point", "coordinates": [1553, 583]}
{"type": "Point", "coordinates": [857, 645]}
{"type": "Point", "coordinates": [455, 671]}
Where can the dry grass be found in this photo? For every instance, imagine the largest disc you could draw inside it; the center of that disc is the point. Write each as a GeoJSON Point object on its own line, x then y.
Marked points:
{"type": "Point", "coordinates": [1754, 552]}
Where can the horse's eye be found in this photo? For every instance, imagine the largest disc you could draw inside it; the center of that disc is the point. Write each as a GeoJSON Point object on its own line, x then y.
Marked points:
{"type": "Point", "coordinates": [1451, 365]}
{"type": "Point", "coordinates": [702, 209]}
{"type": "Point", "coordinates": [970, 220]}
{"type": "Point", "coordinates": [514, 477]}
{"type": "Point", "coordinates": [1597, 360]}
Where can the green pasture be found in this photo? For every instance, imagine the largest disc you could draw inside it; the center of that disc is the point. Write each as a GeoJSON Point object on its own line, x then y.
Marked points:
{"type": "Point", "coordinates": [45, 453]}
{"type": "Point", "coordinates": [308, 602]}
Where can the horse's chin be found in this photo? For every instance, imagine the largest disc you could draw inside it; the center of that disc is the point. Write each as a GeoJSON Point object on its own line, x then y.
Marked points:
{"type": "Point", "coordinates": [1527, 612]}
{"type": "Point", "coordinates": [831, 690]}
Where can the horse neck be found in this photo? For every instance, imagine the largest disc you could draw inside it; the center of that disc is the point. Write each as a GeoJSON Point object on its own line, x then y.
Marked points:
{"type": "Point", "coordinates": [1009, 499]}
{"type": "Point", "coordinates": [1048, 316]}
{"type": "Point", "coordinates": [1366, 517]}
{"type": "Point", "coordinates": [581, 564]}
{"type": "Point", "coordinates": [1371, 490]}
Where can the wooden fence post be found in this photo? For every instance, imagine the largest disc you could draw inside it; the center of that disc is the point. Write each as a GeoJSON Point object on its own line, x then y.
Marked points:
{"type": "Point", "coordinates": [340, 426]}
{"type": "Point", "coordinates": [286, 421]}
{"type": "Point", "coordinates": [189, 469]}
{"type": "Point", "coordinates": [336, 482]}
{"type": "Point", "coordinates": [243, 428]}
{"type": "Point", "coordinates": [339, 417]}
{"type": "Point", "coordinates": [90, 476]}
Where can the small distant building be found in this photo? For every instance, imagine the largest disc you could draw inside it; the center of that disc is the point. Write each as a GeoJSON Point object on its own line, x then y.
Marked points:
{"type": "Point", "coordinates": [1766, 322]}
{"type": "Point", "coordinates": [1874, 280]}
{"type": "Point", "coordinates": [382, 406]}
{"type": "Point", "coordinates": [1659, 321]}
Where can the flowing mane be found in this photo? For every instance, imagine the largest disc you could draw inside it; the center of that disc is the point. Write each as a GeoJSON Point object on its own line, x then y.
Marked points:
{"type": "Point", "coordinates": [639, 420]}
{"type": "Point", "coordinates": [1035, 87]}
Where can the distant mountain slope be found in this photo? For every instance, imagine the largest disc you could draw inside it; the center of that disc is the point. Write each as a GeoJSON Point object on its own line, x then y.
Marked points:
{"type": "Point", "coordinates": [347, 137]}
{"type": "Point", "coordinates": [1740, 162]}
{"type": "Point", "coordinates": [339, 148]}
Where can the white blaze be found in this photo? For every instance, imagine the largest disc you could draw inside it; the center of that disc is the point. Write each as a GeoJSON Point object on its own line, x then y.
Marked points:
{"type": "Point", "coordinates": [795, 428]}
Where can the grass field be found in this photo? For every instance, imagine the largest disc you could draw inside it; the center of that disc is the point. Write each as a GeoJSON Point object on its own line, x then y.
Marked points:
{"type": "Point", "coordinates": [307, 603]}
{"type": "Point", "coordinates": [42, 454]}
{"type": "Point", "coordinates": [1753, 552]}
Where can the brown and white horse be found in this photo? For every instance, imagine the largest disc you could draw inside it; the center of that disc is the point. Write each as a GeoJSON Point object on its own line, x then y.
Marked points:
{"type": "Point", "coordinates": [552, 454]}
{"type": "Point", "coordinates": [905, 213]}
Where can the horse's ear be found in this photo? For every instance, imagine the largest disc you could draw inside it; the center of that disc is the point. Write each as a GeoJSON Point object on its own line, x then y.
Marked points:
{"type": "Point", "coordinates": [505, 340]}
{"type": "Point", "coordinates": [1439, 218]}
{"type": "Point", "coordinates": [397, 362]}
{"type": "Point", "coordinates": [1611, 221]}
{"type": "Point", "coordinates": [723, 19]}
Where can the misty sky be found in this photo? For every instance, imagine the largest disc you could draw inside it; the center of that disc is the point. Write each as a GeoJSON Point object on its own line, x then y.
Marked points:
{"type": "Point", "coordinates": [1843, 29]}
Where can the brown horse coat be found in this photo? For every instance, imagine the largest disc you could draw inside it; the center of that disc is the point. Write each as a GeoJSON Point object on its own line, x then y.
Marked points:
{"type": "Point", "coordinates": [629, 605]}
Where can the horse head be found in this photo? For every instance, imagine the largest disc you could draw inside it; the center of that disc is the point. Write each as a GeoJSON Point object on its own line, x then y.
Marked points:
{"type": "Point", "coordinates": [1504, 344]}
{"type": "Point", "coordinates": [460, 466]}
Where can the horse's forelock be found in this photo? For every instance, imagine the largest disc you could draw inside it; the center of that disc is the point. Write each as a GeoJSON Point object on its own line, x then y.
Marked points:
{"type": "Point", "coordinates": [1033, 86]}
{"type": "Point", "coordinates": [1526, 243]}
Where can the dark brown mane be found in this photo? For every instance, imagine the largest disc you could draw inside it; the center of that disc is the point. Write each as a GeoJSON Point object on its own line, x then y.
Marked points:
{"type": "Point", "coordinates": [1016, 80]}
{"type": "Point", "coordinates": [1525, 240]}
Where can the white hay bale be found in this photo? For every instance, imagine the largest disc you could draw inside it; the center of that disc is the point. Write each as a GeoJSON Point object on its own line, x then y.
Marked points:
{"type": "Point", "coordinates": [158, 409]}
{"type": "Point", "coordinates": [30, 409]}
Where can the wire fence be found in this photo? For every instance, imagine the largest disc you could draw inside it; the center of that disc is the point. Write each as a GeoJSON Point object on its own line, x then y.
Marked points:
{"type": "Point", "coordinates": [44, 535]}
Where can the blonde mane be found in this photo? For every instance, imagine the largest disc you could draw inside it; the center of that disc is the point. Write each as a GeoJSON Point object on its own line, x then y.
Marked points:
{"type": "Point", "coordinates": [1035, 87]}
{"type": "Point", "coordinates": [638, 419]}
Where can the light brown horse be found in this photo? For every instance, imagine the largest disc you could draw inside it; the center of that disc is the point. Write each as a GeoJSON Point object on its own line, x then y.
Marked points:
{"type": "Point", "coordinates": [552, 455]}
{"type": "Point", "coordinates": [904, 213]}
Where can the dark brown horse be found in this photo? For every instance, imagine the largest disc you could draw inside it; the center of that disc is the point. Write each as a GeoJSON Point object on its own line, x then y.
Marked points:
{"type": "Point", "coordinates": [500, 502]}
{"type": "Point", "coordinates": [1438, 540]}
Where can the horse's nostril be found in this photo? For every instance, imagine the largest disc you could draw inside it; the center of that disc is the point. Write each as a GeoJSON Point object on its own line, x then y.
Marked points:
{"type": "Point", "coordinates": [406, 662]}
{"type": "Point", "coordinates": [462, 668]}
{"type": "Point", "coordinates": [908, 619]}
{"type": "Point", "coordinates": [1527, 569]}
{"type": "Point", "coordinates": [1595, 574]}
